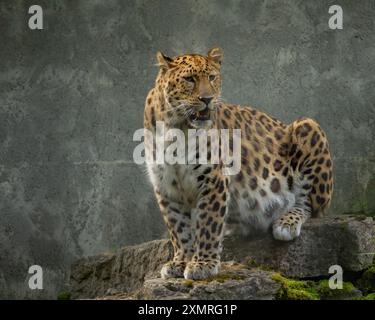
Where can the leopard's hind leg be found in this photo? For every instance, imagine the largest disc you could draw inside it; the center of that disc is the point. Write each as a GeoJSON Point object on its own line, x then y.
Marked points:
{"type": "Point", "coordinates": [309, 177]}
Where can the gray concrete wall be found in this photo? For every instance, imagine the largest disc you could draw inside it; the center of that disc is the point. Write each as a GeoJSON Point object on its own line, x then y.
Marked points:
{"type": "Point", "coordinates": [72, 95]}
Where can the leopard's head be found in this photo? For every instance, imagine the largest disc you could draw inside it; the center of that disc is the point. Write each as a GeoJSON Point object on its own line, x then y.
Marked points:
{"type": "Point", "coordinates": [191, 86]}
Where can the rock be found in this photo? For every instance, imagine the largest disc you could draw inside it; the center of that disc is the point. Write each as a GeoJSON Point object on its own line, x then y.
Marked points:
{"type": "Point", "coordinates": [367, 281]}
{"type": "Point", "coordinates": [348, 241]}
{"type": "Point", "coordinates": [123, 271]}
{"type": "Point", "coordinates": [233, 282]}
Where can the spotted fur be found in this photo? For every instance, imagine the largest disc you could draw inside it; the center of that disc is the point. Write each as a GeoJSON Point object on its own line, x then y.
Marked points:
{"type": "Point", "coordinates": [285, 176]}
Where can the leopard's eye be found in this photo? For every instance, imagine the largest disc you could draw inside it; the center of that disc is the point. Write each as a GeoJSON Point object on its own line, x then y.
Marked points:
{"type": "Point", "coordinates": [189, 79]}
{"type": "Point", "coordinates": [212, 77]}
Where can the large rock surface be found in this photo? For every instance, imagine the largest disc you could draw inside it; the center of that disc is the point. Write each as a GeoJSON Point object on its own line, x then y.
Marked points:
{"type": "Point", "coordinates": [233, 282]}
{"type": "Point", "coordinates": [124, 270]}
{"type": "Point", "coordinates": [348, 241]}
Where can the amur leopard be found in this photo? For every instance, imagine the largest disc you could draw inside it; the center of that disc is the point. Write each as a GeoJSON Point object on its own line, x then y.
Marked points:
{"type": "Point", "coordinates": [285, 176]}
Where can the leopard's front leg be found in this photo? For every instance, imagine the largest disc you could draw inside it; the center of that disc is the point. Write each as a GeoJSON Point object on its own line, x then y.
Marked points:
{"type": "Point", "coordinates": [177, 219]}
{"type": "Point", "coordinates": [209, 222]}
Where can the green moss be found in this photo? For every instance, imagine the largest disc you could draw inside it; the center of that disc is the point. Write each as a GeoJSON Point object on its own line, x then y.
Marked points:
{"type": "Point", "coordinates": [367, 281]}
{"type": "Point", "coordinates": [295, 289]}
{"type": "Point", "coordinates": [251, 263]}
{"type": "Point", "coordinates": [222, 277]}
{"type": "Point", "coordinates": [189, 283]}
{"type": "Point", "coordinates": [265, 268]}
{"type": "Point", "coordinates": [64, 295]}
{"type": "Point", "coordinates": [309, 290]}
{"type": "Point", "coordinates": [300, 294]}
{"type": "Point", "coordinates": [327, 293]}
{"type": "Point", "coordinates": [370, 296]}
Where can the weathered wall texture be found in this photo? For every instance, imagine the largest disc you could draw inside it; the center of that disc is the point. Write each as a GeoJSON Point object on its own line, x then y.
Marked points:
{"type": "Point", "coordinates": [72, 95]}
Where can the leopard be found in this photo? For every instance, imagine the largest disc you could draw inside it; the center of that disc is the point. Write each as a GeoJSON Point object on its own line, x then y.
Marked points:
{"type": "Point", "coordinates": [285, 176]}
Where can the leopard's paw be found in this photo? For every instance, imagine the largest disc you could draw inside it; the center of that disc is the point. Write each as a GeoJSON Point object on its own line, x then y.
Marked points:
{"type": "Point", "coordinates": [173, 269]}
{"type": "Point", "coordinates": [197, 270]}
{"type": "Point", "coordinates": [285, 229]}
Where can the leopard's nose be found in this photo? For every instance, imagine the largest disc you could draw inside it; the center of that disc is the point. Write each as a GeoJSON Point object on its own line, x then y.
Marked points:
{"type": "Point", "coordinates": [205, 100]}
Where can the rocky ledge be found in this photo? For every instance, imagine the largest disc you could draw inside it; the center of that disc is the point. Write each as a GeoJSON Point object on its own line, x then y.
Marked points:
{"type": "Point", "coordinates": [259, 268]}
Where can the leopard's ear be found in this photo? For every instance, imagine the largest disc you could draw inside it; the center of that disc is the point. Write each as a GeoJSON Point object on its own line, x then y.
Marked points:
{"type": "Point", "coordinates": [164, 61]}
{"type": "Point", "coordinates": [216, 55]}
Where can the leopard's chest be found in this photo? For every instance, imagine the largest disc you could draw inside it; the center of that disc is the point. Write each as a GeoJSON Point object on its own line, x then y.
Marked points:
{"type": "Point", "coordinates": [177, 182]}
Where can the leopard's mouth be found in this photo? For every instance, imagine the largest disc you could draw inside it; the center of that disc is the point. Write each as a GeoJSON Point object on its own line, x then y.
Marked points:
{"type": "Point", "coordinates": [202, 115]}
{"type": "Point", "coordinates": [201, 119]}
